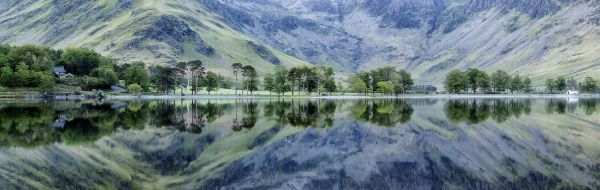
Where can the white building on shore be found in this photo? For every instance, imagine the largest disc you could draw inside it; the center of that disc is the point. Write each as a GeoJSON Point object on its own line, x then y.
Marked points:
{"type": "Point", "coordinates": [572, 92]}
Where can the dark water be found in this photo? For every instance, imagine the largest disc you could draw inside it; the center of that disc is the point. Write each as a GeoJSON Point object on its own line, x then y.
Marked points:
{"type": "Point", "coordinates": [301, 144]}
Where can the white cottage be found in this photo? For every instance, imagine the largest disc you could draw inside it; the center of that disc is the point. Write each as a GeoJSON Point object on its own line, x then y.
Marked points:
{"type": "Point", "coordinates": [572, 92]}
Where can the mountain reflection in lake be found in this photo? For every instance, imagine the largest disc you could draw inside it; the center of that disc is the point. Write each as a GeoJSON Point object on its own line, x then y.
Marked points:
{"type": "Point", "coordinates": [301, 143]}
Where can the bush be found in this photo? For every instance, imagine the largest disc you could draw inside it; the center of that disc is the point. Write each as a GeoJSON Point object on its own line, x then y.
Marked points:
{"type": "Point", "coordinates": [80, 61]}
{"type": "Point", "coordinates": [134, 88]}
{"type": "Point", "coordinates": [7, 77]}
{"type": "Point", "coordinates": [106, 77]}
{"type": "Point", "coordinates": [137, 75]}
{"type": "Point", "coordinates": [46, 83]}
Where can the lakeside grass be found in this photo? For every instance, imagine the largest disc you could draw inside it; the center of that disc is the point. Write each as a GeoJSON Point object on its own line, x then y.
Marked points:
{"type": "Point", "coordinates": [407, 96]}
{"type": "Point", "coordinates": [20, 93]}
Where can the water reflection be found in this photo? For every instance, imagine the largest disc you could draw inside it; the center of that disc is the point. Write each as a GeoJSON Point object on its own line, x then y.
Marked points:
{"type": "Point", "coordinates": [475, 111]}
{"type": "Point", "coordinates": [386, 113]}
{"type": "Point", "coordinates": [589, 106]}
{"type": "Point", "coordinates": [249, 115]}
{"type": "Point", "coordinates": [33, 124]}
{"type": "Point", "coordinates": [324, 144]}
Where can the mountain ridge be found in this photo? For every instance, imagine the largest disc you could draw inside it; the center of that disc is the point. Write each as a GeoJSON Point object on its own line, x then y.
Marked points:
{"type": "Point", "coordinates": [540, 38]}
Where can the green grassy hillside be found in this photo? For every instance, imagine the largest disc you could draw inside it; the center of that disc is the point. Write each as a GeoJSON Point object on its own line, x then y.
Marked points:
{"type": "Point", "coordinates": [156, 32]}
{"type": "Point", "coordinates": [539, 39]}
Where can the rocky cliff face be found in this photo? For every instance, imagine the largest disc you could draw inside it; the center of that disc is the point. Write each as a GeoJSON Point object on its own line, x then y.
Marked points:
{"type": "Point", "coordinates": [428, 37]}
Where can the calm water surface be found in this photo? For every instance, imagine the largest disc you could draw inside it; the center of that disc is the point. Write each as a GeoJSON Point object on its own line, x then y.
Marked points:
{"type": "Point", "coordinates": [301, 144]}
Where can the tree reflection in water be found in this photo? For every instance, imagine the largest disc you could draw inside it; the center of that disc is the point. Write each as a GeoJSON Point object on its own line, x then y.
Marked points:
{"type": "Point", "coordinates": [187, 116]}
{"type": "Point", "coordinates": [311, 113]}
{"type": "Point", "coordinates": [386, 113]}
{"type": "Point", "coordinates": [589, 106]}
{"type": "Point", "coordinates": [475, 111]}
{"type": "Point", "coordinates": [33, 124]}
{"type": "Point", "coordinates": [249, 117]}
{"type": "Point", "coordinates": [276, 110]}
{"type": "Point", "coordinates": [561, 106]}
{"type": "Point", "coordinates": [426, 154]}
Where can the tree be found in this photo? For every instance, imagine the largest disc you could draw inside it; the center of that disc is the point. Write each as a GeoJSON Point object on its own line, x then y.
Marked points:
{"type": "Point", "coordinates": [561, 84]}
{"type": "Point", "coordinates": [280, 86]}
{"type": "Point", "coordinates": [7, 77]}
{"type": "Point", "coordinates": [516, 84]}
{"type": "Point", "coordinates": [47, 83]}
{"type": "Point", "coordinates": [198, 71]}
{"type": "Point", "coordinates": [80, 61]}
{"type": "Point", "coordinates": [164, 79]}
{"type": "Point", "coordinates": [329, 81]}
{"type": "Point", "coordinates": [211, 82]}
{"type": "Point", "coordinates": [294, 77]}
{"type": "Point", "coordinates": [323, 78]}
{"type": "Point", "coordinates": [397, 81]}
{"type": "Point", "coordinates": [357, 85]}
{"type": "Point", "coordinates": [398, 88]}
{"type": "Point", "coordinates": [236, 68]}
{"type": "Point", "coordinates": [134, 88]}
{"type": "Point", "coordinates": [473, 75]}
{"type": "Point", "coordinates": [550, 85]}
{"type": "Point", "coordinates": [268, 83]}
{"type": "Point", "coordinates": [23, 76]}
{"type": "Point", "coordinates": [37, 58]}
{"type": "Point", "coordinates": [106, 76]}
{"type": "Point", "coordinates": [483, 81]}
{"type": "Point", "coordinates": [500, 81]}
{"type": "Point", "coordinates": [252, 85]}
{"type": "Point", "coordinates": [183, 69]}
{"type": "Point", "coordinates": [225, 82]}
{"type": "Point", "coordinates": [137, 75]}
{"type": "Point", "coordinates": [250, 75]}
{"type": "Point", "coordinates": [385, 87]}
{"type": "Point", "coordinates": [456, 82]}
{"type": "Point", "coordinates": [407, 81]}
{"type": "Point", "coordinates": [589, 85]}
{"type": "Point", "coordinates": [4, 60]}
{"type": "Point", "coordinates": [527, 88]}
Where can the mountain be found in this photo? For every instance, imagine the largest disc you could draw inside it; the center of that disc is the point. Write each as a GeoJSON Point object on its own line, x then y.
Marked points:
{"type": "Point", "coordinates": [136, 30]}
{"type": "Point", "coordinates": [539, 38]}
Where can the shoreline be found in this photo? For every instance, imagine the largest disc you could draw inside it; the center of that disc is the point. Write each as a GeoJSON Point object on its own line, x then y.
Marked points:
{"type": "Point", "coordinates": [333, 97]}
{"type": "Point", "coordinates": [411, 96]}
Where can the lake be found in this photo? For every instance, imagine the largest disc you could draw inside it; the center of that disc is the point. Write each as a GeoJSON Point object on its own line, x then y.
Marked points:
{"type": "Point", "coordinates": [301, 144]}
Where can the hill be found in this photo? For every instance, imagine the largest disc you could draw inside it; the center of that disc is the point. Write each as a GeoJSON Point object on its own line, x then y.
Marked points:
{"type": "Point", "coordinates": [539, 38]}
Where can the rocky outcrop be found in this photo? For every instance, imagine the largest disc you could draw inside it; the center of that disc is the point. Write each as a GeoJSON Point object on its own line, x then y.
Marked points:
{"type": "Point", "coordinates": [172, 31]}
{"type": "Point", "coordinates": [264, 52]}
{"type": "Point", "coordinates": [534, 8]}
{"type": "Point", "coordinates": [235, 17]}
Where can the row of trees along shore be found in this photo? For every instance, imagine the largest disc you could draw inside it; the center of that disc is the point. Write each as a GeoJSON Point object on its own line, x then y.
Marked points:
{"type": "Point", "coordinates": [560, 84]}
{"type": "Point", "coordinates": [500, 82]}
{"type": "Point", "coordinates": [34, 67]}
{"type": "Point", "coordinates": [477, 81]}
{"type": "Point", "coordinates": [386, 81]}
{"type": "Point", "coordinates": [299, 80]}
